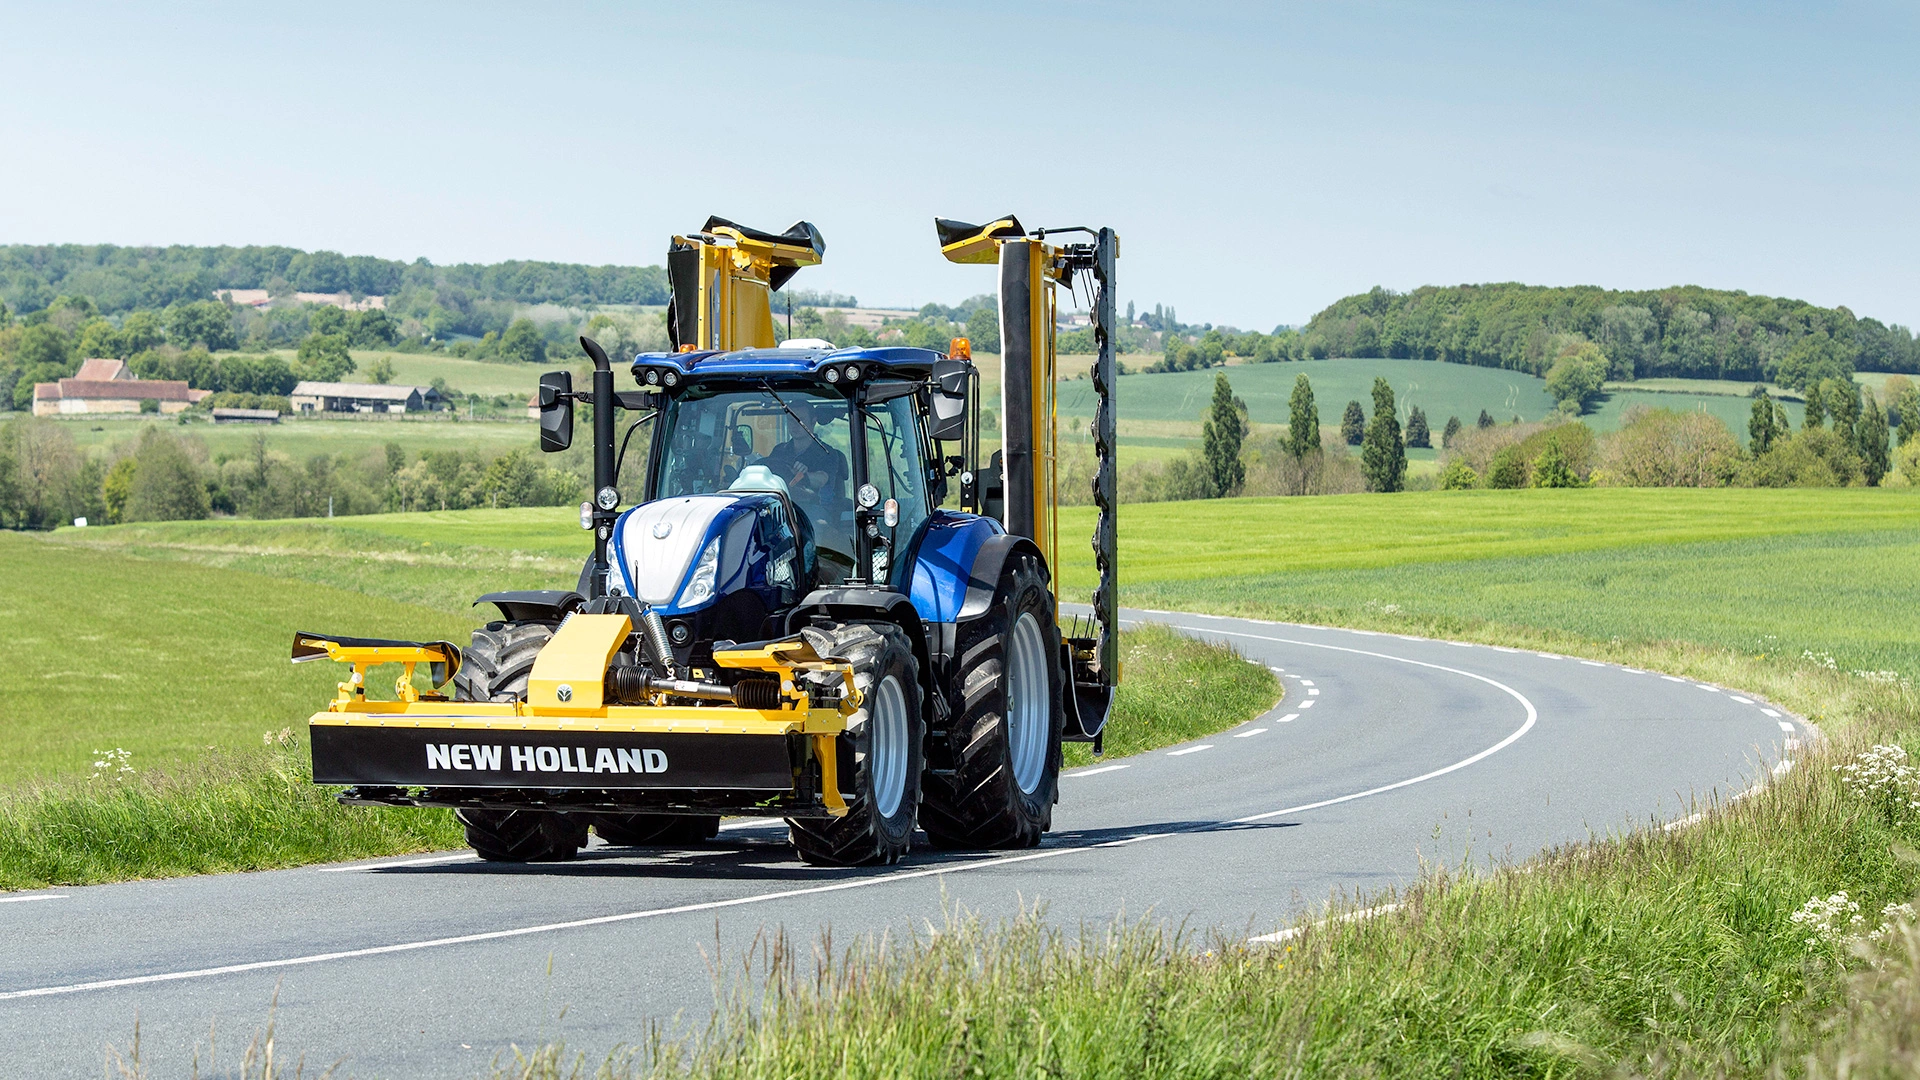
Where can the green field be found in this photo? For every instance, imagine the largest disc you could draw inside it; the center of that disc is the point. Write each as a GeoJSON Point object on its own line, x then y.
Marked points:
{"type": "Point", "coordinates": [1832, 572]}
{"type": "Point", "coordinates": [466, 376]}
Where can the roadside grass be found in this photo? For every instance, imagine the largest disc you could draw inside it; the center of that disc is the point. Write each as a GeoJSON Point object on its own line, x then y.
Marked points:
{"type": "Point", "coordinates": [1176, 688]}
{"type": "Point", "coordinates": [226, 811]}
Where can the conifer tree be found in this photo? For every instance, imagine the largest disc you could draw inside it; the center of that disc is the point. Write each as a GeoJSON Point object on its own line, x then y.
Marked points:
{"type": "Point", "coordinates": [1220, 441]}
{"type": "Point", "coordinates": [1383, 458]}
{"type": "Point", "coordinates": [1486, 419]}
{"type": "Point", "coordinates": [1452, 429]}
{"type": "Point", "coordinates": [1417, 432]}
{"type": "Point", "coordinates": [1760, 429]}
{"type": "Point", "coordinates": [1870, 434]}
{"type": "Point", "coordinates": [1353, 424]}
{"type": "Point", "coordinates": [1303, 420]}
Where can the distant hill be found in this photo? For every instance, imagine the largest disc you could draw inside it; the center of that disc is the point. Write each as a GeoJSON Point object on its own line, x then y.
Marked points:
{"type": "Point", "coordinates": [1684, 331]}
{"type": "Point", "coordinates": [122, 279]}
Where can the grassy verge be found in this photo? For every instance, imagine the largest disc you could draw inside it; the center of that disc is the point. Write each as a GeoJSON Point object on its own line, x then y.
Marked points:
{"type": "Point", "coordinates": [252, 810]}
{"type": "Point", "coordinates": [1175, 689]}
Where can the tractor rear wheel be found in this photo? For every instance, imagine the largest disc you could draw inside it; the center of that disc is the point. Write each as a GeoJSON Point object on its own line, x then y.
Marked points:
{"type": "Point", "coordinates": [1005, 738]}
{"type": "Point", "coordinates": [656, 830]}
{"type": "Point", "coordinates": [879, 761]}
{"type": "Point", "coordinates": [495, 668]}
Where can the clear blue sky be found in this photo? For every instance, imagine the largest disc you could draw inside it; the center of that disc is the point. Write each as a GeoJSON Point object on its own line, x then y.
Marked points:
{"type": "Point", "coordinates": [1259, 161]}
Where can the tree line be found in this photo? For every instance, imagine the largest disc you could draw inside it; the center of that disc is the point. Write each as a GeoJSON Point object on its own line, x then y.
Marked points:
{"type": "Point", "coordinates": [1686, 332]}
{"type": "Point", "coordinates": [163, 475]}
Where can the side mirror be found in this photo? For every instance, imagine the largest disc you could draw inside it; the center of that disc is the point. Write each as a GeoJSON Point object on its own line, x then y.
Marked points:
{"type": "Point", "coordinates": [952, 379]}
{"type": "Point", "coordinates": [556, 410]}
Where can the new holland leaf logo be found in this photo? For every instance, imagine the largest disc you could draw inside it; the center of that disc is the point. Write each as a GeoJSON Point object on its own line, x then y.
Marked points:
{"type": "Point", "coordinates": [563, 692]}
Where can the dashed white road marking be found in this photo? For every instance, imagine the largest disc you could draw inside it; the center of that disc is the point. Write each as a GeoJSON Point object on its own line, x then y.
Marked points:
{"type": "Point", "coordinates": [1791, 744]}
{"type": "Point", "coordinates": [1277, 670]}
{"type": "Point", "coordinates": [1548, 656]}
{"type": "Point", "coordinates": [1708, 689]}
{"type": "Point", "coordinates": [1786, 727]}
{"type": "Point", "coordinates": [28, 899]}
{"type": "Point", "coordinates": [1251, 732]}
{"type": "Point", "coordinates": [1307, 704]}
{"type": "Point", "coordinates": [1501, 648]}
{"type": "Point", "coordinates": [1295, 678]}
{"type": "Point", "coordinates": [1190, 750]}
{"type": "Point", "coordinates": [1771, 713]}
{"type": "Point", "coordinates": [1094, 772]}
{"type": "Point", "coordinates": [1461, 644]}
{"type": "Point", "coordinates": [1592, 663]}
{"type": "Point", "coordinates": [1306, 682]}
{"type": "Point", "coordinates": [1633, 671]}
{"type": "Point", "coordinates": [1313, 693]}
{"type": "Point", "coordinates": [1741, 700]}
{"type": "Point", "coordinates": [1289, 718]}
{"type": "Point", "coordinates": [1673, 678]}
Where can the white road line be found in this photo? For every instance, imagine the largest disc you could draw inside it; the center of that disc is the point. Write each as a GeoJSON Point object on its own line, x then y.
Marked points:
{"type": "Point", "coordinates": [1633, 671]}
{"type": "Point", "coordinates": [29, 899]}
{"type": "Point", "coordinates": [1094, 772]}
{"type": "Point", "coordinates": [1277, 670]}
{"type": "Point", "coordinates": [1785, 766]}
{"type": "Point", "coordinates": [1313, 693]}
{"type": "Point", "coordinates": [1690, 819]}
{"type": "Point", "coordinates": [1307, 704]}
{"type": "Point", "coordinates": [1548, 656]}
{"type": "Point", "coordinates": [1741, 700]}
{"type": "Point", "coordinates": [1673, 678]}
{"type": "Point", "coordinates": [1708, 689]}
{"type": "Point", "coordinates": [1501, 648]}
{"type": "Point", "coordinates": [1306, 682]}
{"type": "Point", "coordinates": [1190, 750]}
{"type": "Point", "coordinates": [359, 867]}
{"type": "Point", "coordinates": [1592, 663]}
{"type": "Point", "coordinates": [1295, 678]}
{"type": "Point", "coordinates": [1771, 713]}
{"type": "Point", "coordinates": [1786, 727]}
{"type": "Point", "coordinates": [1295, 931]}
{"type": "Point", "coordinates": [1461, 644]}
{"type": "Point", "coordinates": [1251, 732]}
{"type": "Point", "coordinates": [1289, 718]}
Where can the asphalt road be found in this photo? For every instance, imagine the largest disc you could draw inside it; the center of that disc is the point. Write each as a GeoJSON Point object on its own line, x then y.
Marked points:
{"type": "Point", "coordinates": [1386, 751]}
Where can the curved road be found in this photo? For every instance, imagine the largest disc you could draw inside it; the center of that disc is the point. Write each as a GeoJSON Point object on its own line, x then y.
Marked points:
{"type": "Point", "coordinates": [1386, 751]}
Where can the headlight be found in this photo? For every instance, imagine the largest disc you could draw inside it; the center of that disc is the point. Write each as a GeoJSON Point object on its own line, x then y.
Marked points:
{"type": "Point", "coordinates": [673, 378]}
{"type": "Point", "coordinates": [853, 372]}
{"type": "Point", "coordinates": [833, 375]}
{"type": "Point", "coordinates": [607, 498]}
{"type": "Point", "coordinates": [653, 377]}
{"type": "Point", "coordinates": [869, 496]}
{"type": "Point", "coordinates": [706, 574]}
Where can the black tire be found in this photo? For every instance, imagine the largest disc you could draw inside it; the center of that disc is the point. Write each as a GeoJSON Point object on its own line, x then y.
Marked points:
{"type": "Point", "coordinates": [495, 668]}
{"type": "Point", "coordinates": [656, 830]}
{"type": "Point", "coordinates": [523, 835]}
{"type": "Point", "coordinates": [869, 833]}
{"type": "Point", "coordinates": [982, 804]}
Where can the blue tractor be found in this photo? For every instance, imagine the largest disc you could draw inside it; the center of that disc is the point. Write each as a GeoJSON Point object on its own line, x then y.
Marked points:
{"type": "Point", "coordinates": [824, 607]}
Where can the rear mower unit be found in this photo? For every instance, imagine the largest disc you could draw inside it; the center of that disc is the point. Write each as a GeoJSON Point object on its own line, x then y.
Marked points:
{"type": "Point", "coordinates": [789, 622]}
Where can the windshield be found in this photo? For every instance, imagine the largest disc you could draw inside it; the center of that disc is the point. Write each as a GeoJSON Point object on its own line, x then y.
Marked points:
{"type": "Point", "coordinates": [798, 436]}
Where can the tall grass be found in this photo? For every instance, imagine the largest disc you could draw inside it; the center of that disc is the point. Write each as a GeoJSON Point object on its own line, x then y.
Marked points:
{"type": "Point", "coordinates": [238, 810]}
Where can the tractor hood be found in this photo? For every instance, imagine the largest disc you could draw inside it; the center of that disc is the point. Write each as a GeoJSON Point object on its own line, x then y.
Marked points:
{"type": "Point", "coordinates": [684, 553]}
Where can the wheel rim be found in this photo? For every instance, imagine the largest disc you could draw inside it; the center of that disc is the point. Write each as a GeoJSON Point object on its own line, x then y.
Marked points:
{"type": "Point", "coordinates": [1028, 717]}
{"type": "Point", "coordinates": [887, 746]}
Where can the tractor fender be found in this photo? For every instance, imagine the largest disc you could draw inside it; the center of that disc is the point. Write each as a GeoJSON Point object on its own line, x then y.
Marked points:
{"type": "Point", "coordinates": [534, 605]}
{"type": "Point", "coordinates": [984, 579]}
{"type": "Point", "coordinates": [843, 602]}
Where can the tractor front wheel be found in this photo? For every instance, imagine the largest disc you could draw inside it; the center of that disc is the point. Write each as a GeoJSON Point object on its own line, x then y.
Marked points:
{"type": "Point", "coordinates": [495, 668]}
{"type": "Point", "coordinates": [879, 760]}
{"type": "Point", "coordinates": [1005, 739]}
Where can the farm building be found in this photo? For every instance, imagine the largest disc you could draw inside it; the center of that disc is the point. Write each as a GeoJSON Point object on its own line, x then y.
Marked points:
{"type": "Point", "coordinates": [107, 386]}
{"type": "Point", "coordinates": [364, 398]}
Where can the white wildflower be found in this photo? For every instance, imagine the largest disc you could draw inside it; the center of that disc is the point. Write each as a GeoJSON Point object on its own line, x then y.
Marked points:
{"type": "Point", "coordinates": [1829, 921]}
{"type": "Point", "coordinates": [1882, 773]}
{"type": "Point", "coordinates": [112, 764]}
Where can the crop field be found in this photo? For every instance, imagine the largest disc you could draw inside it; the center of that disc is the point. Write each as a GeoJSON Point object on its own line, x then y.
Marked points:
{"type": "Point", "coordinates": [1834, 573]}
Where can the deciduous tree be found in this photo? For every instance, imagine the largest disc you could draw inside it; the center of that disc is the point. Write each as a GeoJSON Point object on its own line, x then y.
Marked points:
{"type": "Point", "coordinates": [1303, 420]}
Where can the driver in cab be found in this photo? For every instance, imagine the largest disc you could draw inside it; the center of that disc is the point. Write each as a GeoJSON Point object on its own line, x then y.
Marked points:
{"type": "Point", "coordinates": [814, 471]}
